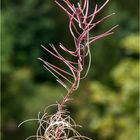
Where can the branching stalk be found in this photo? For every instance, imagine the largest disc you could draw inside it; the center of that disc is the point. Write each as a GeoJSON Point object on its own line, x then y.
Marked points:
{"type": "Point", "coordinates": [81, 23]}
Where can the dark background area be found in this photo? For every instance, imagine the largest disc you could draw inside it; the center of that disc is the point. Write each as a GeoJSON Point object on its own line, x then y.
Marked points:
{"type": "Point", "coordinates": [106, 103]}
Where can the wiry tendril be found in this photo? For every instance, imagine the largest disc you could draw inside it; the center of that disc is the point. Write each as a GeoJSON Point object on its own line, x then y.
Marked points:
{"type": "Point", "coordinates": [48, 127]}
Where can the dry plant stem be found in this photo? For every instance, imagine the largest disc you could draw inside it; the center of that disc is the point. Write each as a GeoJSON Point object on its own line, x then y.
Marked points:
{"type": "Point", "coordinates": [80, 25]}
{"type": "Point", "coordinates": [60, 107]}
{"type": "Point", "coordinates": [60, 125]}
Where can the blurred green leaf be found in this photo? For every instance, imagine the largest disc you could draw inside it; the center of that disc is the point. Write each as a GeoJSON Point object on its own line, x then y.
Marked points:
{"type": "Point", "coordinates": [131, 43]}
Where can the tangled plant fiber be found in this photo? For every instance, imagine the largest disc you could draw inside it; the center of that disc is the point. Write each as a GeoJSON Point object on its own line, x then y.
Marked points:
{"type": "Point", "coordinates": [48, 127]}
{"type": "Point", "coordinates": [60, 126]}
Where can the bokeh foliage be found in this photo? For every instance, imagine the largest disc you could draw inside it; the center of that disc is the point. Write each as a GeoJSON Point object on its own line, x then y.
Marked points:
{"type": "Point", "coordinates": [106, 104]}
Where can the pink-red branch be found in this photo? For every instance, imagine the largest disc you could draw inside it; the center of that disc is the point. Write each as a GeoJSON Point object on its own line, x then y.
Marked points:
{"type": "Point", "coordinates": [80, 25]}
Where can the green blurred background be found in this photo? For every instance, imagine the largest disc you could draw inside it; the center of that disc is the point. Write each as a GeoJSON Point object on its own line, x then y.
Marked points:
{"type": "Point", "coordinates": [106, 103]}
